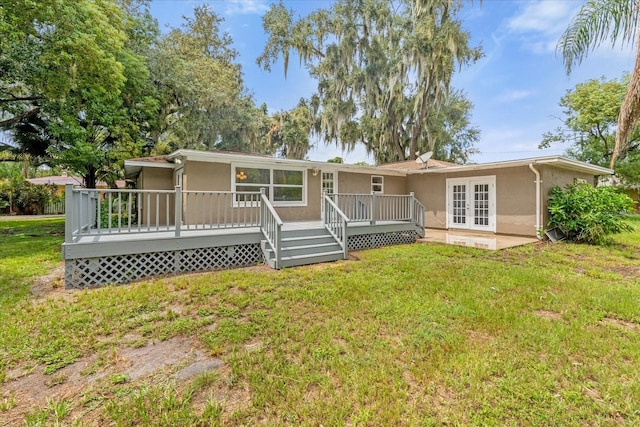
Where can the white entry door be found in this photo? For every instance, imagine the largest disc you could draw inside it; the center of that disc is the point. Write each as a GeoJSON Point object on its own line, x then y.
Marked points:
{"type": "Point", "coordinates": [329, 186]}
{"type": "Point", "coordinates": [471, 203]}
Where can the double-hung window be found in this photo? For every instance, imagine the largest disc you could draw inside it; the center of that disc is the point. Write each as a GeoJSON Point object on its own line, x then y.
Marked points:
{"type": "Point", "coordinates": [377, 184]}
{"type": "Point", "coordinates": [283, 186]}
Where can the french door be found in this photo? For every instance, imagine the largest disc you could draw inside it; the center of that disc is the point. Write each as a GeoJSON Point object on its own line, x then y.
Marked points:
{"type": "Point", "coordinates": [471, 203]}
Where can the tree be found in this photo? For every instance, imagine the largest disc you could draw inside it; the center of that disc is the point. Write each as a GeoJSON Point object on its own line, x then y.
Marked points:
{"type": "Point", "coordinates": [203, 101]}
{"type": "Point", "coordinates": [383, 69]}
{"type": "Point", "coordinates": [595, 22]}
{"type": "Point", "coordinates": [74, 66]}
{"type": "Point", "coordinates": [590, 113]}
{"type": "Point", "coordinates": [55, 49]}
{"type": "Point", "coordinates": [289, 131]}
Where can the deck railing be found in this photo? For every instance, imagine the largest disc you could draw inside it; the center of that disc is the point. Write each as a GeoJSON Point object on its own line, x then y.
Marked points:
{"type": "Point", "coordinates": [271, 226]}
{"type": "Point", "coordinates": [119, 211]}
{"type": "Point", "coordinates": [335, 221]}
{"type": "Point", "coordinates": [376, 207]}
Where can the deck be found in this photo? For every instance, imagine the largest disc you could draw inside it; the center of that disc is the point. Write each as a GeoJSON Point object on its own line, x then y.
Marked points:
{"type": "Point", "coordinates": [104, 243]}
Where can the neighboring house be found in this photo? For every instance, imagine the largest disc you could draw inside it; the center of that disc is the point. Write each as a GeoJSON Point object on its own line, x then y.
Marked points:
{"type": "Point", "coordinates": [60, 181]}
{"type": "Point", "coordinates": [195, 211]}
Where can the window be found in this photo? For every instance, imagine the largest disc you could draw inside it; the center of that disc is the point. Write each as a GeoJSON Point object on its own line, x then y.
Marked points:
{"type": "Point", "coordinates": [377, 184]}
{"type": "Point", "coordinates": [284, 187]}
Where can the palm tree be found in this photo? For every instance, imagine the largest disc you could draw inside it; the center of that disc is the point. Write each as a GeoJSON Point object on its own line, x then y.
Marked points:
{"type": "Point", "coordinates": [595, 22]}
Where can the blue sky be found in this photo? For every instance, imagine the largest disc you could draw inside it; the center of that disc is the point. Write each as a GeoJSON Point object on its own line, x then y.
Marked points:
{"type": "Point", "coordinates": [515, 88]}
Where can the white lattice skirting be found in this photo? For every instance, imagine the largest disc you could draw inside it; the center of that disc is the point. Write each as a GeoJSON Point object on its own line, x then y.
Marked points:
{"type": "Point", "coordinates": [92, 272]}
{"type": "Point", "coordinates": [378, 240]}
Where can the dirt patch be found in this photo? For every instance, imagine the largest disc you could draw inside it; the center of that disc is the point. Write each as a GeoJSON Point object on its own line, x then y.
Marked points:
{"type": "Point", "coordinates": [179, 358]}
{"type": "Point", "coordinates": [548, 314]}
{"type": "Point", "coordinates": [622, 324]}
{"type": "Point", "coordinates": [626, 271]}
{"type": "Point", "coordinates": [50, 285]}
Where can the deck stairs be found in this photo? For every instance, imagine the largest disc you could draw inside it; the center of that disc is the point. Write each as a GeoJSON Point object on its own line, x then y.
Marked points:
{"type": "Point", "coordinates": [302, 247]}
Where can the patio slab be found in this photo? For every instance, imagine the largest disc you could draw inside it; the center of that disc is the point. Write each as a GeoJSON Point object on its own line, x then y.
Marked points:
{"type": "Point", "coordinates": [472, 239]}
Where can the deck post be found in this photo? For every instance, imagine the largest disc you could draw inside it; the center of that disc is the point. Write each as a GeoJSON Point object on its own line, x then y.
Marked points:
{"type": "Point", "coordinates": [373, 208]}
{"type": "Point", "coordinates": [262, 215]}
{"type": "Point", "coordinates": [178, 210]}
{"type": "Point", "coordinates": [69, 216]}
{"type": "Point", "coordinates": [412, 202]}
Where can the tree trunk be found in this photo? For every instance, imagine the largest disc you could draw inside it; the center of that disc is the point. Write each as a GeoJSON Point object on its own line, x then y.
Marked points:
{"type": "Point", "coordinates": [630, 109]}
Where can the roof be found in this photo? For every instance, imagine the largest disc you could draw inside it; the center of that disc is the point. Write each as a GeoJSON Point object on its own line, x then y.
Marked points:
{"type": "Point", "coordinates": [557, 161]}
{"type": "Point", "coordinates": [413, 165]}
{"type": "Point", "coordinates": [61, 180]}
{"type": "Point", "coordinates": [173, 161]}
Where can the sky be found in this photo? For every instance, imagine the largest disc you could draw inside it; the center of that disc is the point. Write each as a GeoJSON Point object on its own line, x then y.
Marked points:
{"type": "Point", "coordinates": [515, 88]}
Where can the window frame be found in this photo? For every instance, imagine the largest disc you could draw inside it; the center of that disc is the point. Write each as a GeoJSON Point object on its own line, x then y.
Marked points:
{"type": "Point", "coordinates": [270, 186]}
{"type": "Point", "coordinates": [375, 184]}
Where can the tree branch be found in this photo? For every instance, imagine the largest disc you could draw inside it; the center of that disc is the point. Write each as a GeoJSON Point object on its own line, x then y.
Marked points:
{"type": "Point", "coordinates": [20, 117]}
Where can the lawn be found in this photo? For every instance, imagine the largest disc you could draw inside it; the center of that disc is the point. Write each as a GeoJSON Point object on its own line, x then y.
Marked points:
{"type": "Point", "coordinates": [423, 334]}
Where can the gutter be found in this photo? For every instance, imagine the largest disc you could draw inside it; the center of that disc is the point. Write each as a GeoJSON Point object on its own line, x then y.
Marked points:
{"type": "Point", "coordinates": [538, 207]}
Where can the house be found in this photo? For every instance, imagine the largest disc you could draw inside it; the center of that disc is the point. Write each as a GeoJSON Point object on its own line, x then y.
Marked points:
{"type": "Point", "coordinates": [194, 210]}
{"type": "Point", "coordinates": [60, 182]}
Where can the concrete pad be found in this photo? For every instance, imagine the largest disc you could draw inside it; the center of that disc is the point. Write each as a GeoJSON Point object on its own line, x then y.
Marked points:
{"type": "Point", "coordinates": [475, 239]}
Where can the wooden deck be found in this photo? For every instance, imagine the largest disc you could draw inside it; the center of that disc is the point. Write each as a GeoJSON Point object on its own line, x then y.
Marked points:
{"type": "Point", "coordinates": [142, 245]}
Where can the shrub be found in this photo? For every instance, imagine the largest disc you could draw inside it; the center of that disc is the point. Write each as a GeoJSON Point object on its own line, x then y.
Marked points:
{"type": "Point", "coordinates": [30, 198]}
{"type": "Point", "coordinates": [588, 214]}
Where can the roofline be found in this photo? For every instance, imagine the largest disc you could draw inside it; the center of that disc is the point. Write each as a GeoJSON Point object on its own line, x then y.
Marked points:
{"type": "Point", "coordinates": [223, 157]}
{"type": "Point", "coordinates": [140, 163]}
{"type": "Point", "coordinates": [561, 161]}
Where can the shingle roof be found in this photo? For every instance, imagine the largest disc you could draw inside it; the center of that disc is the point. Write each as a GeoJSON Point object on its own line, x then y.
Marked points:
{"type": "Point", "coordinates": [412, 165]}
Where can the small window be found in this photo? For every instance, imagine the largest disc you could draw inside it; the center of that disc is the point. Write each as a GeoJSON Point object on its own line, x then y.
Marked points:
{"type": "Point", "coordinates": [377, 184]}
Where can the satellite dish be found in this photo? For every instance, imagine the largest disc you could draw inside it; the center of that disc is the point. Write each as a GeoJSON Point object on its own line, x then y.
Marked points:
{"type": "Point", "coordinates": [423, 158]}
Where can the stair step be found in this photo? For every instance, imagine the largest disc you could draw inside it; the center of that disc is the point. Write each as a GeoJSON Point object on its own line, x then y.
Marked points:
{"type": "Point", "coordinates": [309, 240]}
{"type": "Point", "coordinates": [294, 261]}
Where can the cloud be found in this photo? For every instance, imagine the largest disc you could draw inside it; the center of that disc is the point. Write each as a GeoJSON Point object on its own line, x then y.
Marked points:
{"type": "Point", "coordinates": [513, 95]}
{"type": "Point", "coordinates": [245, 7]}
{"type": "Point", "coordinates": [540, 23]}
{"type": "Point", "coordinates": [548, 17]}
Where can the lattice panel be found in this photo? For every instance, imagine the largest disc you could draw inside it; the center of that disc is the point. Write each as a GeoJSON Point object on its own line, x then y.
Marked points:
{"type": "Point", "coordinates": [91, 272]}
{"type": "Point", "coordinates": [220, 258]}
{"type": "Point", "coordinates": [370, 241]}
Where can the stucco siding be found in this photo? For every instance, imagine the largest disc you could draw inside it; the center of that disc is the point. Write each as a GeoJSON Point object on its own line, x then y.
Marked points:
{"type": "Point", "coordinates": [360, 183]}
{"type": "Point", "coordinates": [430, 190]}
{"type": "Point", "coordinates": [516, 201]}
{"type": "Point", "coordinates": [515, 198]}
{"type": "Point", "coordinates": [209, 176]}
{"type": "Point", "coordinates": [156, 179]}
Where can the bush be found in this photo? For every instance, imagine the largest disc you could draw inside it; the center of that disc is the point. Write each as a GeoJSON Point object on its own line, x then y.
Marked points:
{"type": "Point", "coordinates": [31, 198]}
{"type": "Point", "coordinates": [587, 214]}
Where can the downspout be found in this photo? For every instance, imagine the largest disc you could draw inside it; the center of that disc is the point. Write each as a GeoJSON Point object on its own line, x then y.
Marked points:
{"type": "Point", "coordinates": [538, 210]}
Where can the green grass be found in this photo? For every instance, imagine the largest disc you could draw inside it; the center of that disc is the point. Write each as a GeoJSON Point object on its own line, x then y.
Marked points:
{"type": "Point", "coordinates": [422, 334]}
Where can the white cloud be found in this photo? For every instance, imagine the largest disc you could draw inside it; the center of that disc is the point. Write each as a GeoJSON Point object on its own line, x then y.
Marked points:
{"type": "Point", "coordinates": [245, 7]}
{"type": "Point", "coordinates": [545, 16]}
{"type": "Point", "coordinates": [540, 23]}
{"type": "Point", "coordinates": [513, 95]}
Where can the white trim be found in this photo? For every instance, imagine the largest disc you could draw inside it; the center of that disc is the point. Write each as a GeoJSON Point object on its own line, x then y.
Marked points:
{"type": "Point", "coordinates": [559, 161]}
{"type": "Point", "coordinates": [224, 157]}
{"type": "Point", "coordinates": [469, 222]}
{"type": "Point", "coordinates": [381, 184]}
{"type": "Point", "coordinates": [271, 185]}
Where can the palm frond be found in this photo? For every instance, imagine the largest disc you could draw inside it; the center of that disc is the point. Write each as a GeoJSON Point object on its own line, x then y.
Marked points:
{"type": "Point", "coordinates": [598, 21]}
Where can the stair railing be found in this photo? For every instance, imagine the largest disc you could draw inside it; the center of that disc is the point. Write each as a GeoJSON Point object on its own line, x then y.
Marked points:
{"type": "Point", "coordinates": [271, 226]}
{"type": "Point", "coordinates": [335, 221]}
{"type": "Point", "coordinates": [418, 215]}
